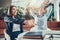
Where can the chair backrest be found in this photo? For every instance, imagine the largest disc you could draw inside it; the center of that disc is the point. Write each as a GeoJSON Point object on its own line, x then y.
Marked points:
{"type": "Point", "coordinates": [53, 25]}
{"type": "Point", "coordinates": [52, 11]}
{"type": "Point", "coordinates": [2, 24]}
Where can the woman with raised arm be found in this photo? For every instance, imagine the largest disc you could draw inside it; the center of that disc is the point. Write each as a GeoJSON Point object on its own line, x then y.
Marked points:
{"type": "Point", "coordinates": [40, 14]}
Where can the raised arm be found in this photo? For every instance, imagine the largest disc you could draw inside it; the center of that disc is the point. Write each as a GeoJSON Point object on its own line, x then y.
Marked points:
{"type": "Point", "coordinates": [39, 11]}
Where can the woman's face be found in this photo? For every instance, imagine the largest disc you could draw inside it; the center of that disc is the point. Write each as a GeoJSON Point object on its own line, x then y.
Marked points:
{"type": "Point", "coordinates": [14, 11]}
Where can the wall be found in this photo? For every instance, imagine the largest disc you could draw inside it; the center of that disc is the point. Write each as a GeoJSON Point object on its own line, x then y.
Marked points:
{"type": "Point", "coordinates": [4, 3]}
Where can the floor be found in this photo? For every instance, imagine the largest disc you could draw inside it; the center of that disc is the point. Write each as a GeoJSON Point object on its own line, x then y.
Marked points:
{"type": "Point", "coordinates": [2, 38]}
{"type": "Point", "coordinates": [35, 39]}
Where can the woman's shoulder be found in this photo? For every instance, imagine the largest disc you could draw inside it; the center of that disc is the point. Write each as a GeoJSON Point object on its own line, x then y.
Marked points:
{"type": "Point", "coordinates": [7, 18]}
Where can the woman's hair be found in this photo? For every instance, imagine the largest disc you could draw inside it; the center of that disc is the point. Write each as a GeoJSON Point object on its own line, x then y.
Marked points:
{"type": "Point", "coordinates": [10, 9]}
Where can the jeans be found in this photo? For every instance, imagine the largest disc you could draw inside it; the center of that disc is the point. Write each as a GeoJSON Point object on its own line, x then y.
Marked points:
{"type": "Point", "coordinates": [13, 35]}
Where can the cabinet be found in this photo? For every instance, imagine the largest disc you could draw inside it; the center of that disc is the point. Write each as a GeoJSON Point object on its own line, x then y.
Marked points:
{"type": "Point", "coordinates": [2, 27]}
{"type": "Point", "coordinates": [52, 25]}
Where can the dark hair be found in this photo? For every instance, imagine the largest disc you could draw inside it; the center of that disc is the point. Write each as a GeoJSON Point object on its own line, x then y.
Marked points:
{"type": "Point", "coordinates": [10, 9]}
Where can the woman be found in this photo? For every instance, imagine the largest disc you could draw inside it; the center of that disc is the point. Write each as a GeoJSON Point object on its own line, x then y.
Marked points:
{"type": "Point", "coordinates": [13, 23]}
{"type": "Point", "coordinates": [41, 14]}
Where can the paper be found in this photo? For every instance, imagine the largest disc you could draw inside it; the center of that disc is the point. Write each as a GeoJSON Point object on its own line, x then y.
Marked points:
{"type": "Point", "coordinates": [16, 27]}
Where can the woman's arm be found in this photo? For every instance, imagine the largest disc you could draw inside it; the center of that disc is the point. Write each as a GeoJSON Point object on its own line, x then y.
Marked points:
{"type": "Point", "coordinates": [41, 10]}
{"type": "Point", "coordinates": [18, 21]}
{"type": "Point", "coordinates": [7, 19]}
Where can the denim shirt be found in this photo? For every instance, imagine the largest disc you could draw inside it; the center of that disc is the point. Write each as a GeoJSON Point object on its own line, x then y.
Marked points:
{"type": "Point", "coordinates": [9, 21]}
{"type": "Point", "coordinates": [41, 20]}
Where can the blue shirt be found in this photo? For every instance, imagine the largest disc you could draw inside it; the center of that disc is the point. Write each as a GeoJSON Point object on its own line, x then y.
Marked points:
{"type": "Point", "coordinates": [41, 20]}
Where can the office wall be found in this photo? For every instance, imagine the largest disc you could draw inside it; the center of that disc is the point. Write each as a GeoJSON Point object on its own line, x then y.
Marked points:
{"type": "Point", "coordinates": [4, 3]}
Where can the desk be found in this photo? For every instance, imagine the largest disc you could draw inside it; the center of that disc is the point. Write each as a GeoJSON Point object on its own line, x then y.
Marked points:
{"type": "Point", "coordinates": [33, 35]}
{"type": "Point", "coordinates": [53, 34]}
